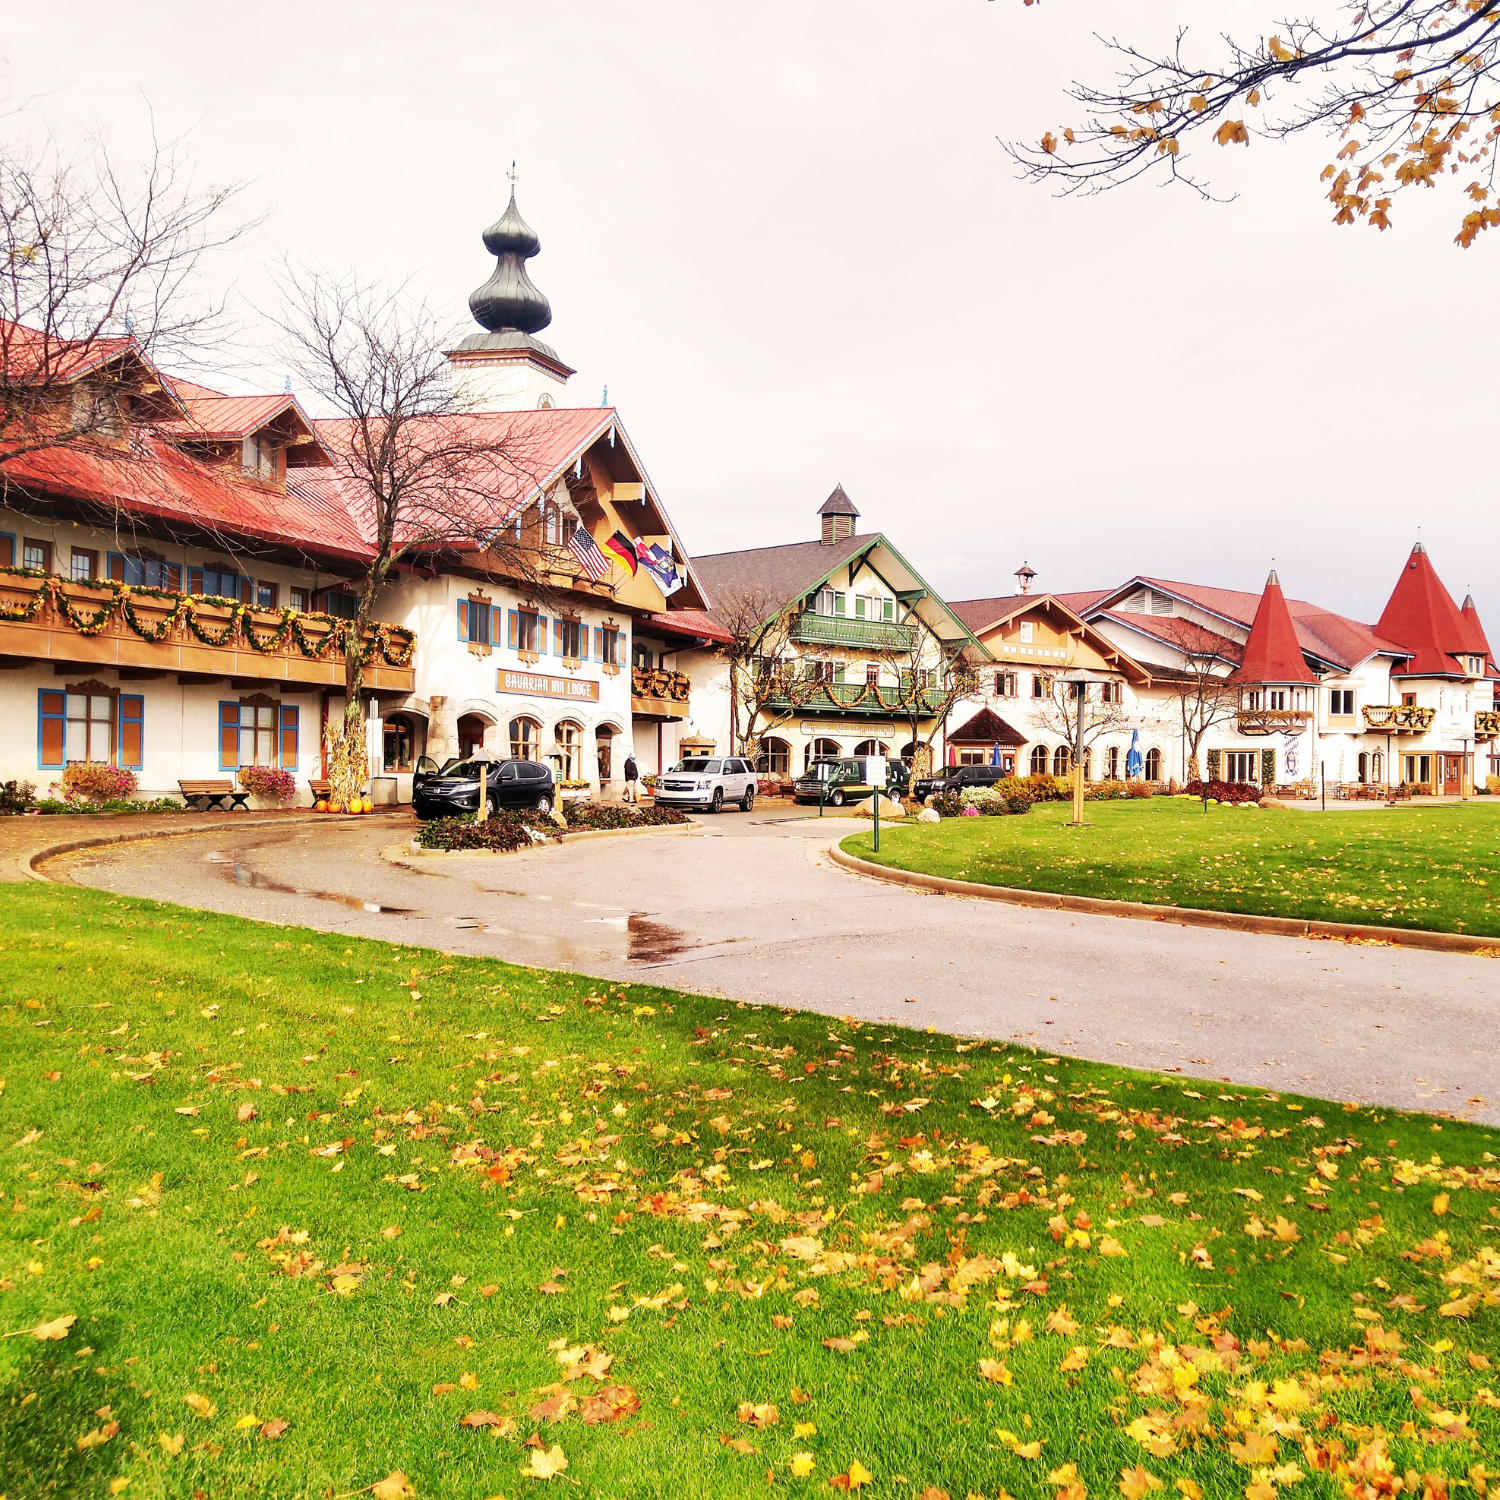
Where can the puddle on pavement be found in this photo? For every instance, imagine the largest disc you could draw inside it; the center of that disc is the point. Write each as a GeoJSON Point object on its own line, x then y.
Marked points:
{"type": "Point", "coordinates": [251, 879]}
{"type": "Point", "coordinates": [651, 942]}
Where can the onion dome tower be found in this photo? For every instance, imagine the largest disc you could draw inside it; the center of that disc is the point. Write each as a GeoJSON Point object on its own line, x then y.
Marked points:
{"type": "Point", "coordinates": [506, 367]}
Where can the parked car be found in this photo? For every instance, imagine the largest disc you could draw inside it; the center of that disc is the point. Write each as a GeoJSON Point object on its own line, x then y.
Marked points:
{"type": "Point", "coordinates": [839, 781]}
{"type": "Point", "coordinates": [451, 790]}
{"type": "Point", "coordinates": [957, 779]}
{"type": "Point", "coordinates": [708, 781]}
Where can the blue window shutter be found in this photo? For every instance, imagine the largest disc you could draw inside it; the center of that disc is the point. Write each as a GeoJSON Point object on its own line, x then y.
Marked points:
{"type": "Point", "coordinates": [463, 619]}
{"type": "Point", "coordinates": [51, 730]}
{"type": "Point", "coordinates": [289, 748]}
{"type": "Point", "coordinates": [512, 628]}
{"type": "Point", "coordinates": [541, 635]}
{"type": "Point", "coordinates": [598, 643]}
{"type": "Point", "coordinates": [131, 737]}
{"type": "Point", "coordinates": [557, 637]}
{"type": "Point", "coordinates": [229, 736]}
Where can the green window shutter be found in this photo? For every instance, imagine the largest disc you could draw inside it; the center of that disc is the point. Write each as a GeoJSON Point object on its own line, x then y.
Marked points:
{"type": "Point", "coordinates": [463, 619]}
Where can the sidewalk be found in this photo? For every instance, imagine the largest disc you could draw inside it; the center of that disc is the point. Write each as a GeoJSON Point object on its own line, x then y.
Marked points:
{"type": "Point", "coordinates": [22, 838]}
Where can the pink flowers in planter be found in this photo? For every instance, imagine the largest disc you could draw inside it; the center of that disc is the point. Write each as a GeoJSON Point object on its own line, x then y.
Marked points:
{"type": "Point", "coordinates": [93, 781]}
{"type": "Point", "coordinates": [269, 781]}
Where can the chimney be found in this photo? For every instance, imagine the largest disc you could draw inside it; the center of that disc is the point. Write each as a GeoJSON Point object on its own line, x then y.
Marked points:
{"type": "Point", "coordinates": [838, 516]}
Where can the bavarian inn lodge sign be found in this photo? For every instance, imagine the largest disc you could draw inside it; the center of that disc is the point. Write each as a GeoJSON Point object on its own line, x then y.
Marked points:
{"type": "Point", "coordinates": [537, 686]}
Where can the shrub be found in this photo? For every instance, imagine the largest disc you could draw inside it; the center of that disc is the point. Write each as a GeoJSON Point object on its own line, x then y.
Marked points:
{"type": "Point", "coordinates": [92, 781]}
{"type": "Point", "coordinates": [1109, 790]}
{"type": "Point", "coordinates": [601, 815]}
{"type": "Point", "coordinates": [1225, 791]}
{"type": "Point", "coordinates": [17, 796]}
{"type": "Point", "coordinates": [503, 832]}
{"type": "Point", "coordinates": [948, 804]}
{"type": "Point", "coordinates": [1002, 798]}
{"type": "Point", "coordinates": [1142, 788]}
{"type": "Point", "coordinates": [269, 781]}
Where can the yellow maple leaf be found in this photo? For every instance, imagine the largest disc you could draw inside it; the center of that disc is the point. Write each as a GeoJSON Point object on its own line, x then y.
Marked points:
{"type": "Point", "coordinates": [995, 1370]}
{"type": "Point", "coordinates": [1138, 1482]}
{"type": "Point", "coordinates": [1440, 1204]}
{"type": "Point", "coordinates": [546, 1465]}
{"type": "Point", "coordinates": [200, 1404]}
{"type": "Point", "coordinates": [802, 1464]}
{"type": "Point", "coordinates": [1075, 1359]}
{"type": "Point", "coordinates": [395, 1486]}
{"type": "Point", "coordinates": [859, 1475]}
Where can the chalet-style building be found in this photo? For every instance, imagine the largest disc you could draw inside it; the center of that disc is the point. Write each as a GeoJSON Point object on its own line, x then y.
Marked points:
{"type": "Point", "coordinates": [172, 585]}
{"type": "Point", "coordinates": [853, 648]}
{"type": "Point", "coordinates": [1282, 690]}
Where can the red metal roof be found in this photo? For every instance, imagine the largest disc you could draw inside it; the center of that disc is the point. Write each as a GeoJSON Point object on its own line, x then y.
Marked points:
{"type": "Point", "coordinates": [689, 622]}
{"type": "Point", "coordinates": [1421, 615]}
{"type": "Point", "coordinates": [157, 480]}
{"type": "Point", "coordinates": [1330, 637]}
{"type": "Point", "coordinates": [214, 418]}
{"type": "Point", "coordinates": [1272, 653]}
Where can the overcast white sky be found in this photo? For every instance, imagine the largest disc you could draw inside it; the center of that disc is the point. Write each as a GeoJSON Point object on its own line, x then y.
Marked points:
{"type": "Point", "coordinates": [786, 237]}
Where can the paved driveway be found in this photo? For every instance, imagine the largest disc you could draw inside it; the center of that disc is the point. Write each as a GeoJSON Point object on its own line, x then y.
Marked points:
{"type": "Point", "coordinates": [751, 908]}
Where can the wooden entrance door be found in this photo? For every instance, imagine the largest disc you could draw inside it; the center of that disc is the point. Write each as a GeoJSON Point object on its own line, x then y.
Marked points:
{"type": "Point", "coordinates": [1453, 770]}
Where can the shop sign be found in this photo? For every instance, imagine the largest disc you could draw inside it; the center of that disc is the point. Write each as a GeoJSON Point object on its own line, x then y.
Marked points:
{"type": "Point", "coordinates": [537, 685]}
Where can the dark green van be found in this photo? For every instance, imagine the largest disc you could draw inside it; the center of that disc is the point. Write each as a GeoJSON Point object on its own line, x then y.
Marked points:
{"type": "Point", "coordinates": [836, 782]}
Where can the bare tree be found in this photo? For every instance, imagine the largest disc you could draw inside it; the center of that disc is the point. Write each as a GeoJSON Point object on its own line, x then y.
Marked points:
{"type": "Point", "coordinates": [1199, 687]}
{"type": "Point", "coordinates": [1409, 86]}
{"type": "Point", "coordinates": [427, 478]}
{"type": "Point", "coordinates": [764, 691]}
{"type": "Point", "coordinates": [935, 676]}
{"type": "Point", "coordinates": [1058, 713]}
{"type": "Point", "coordinates": [99, 280]}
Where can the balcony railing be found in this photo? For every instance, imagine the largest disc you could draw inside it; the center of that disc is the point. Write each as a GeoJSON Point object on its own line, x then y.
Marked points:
{"type": "Point", "coordinates": [657, 693]}
{"type": "Point", "coordinates": [864, 698]}
{"type": "Point", "coordinates": [863, 635]}
{"type": "Point", "coordinates": [1486, 722]}
{"type": "Point", "coordinates": [1398, 718]}
{"type": "Point", "coordinates": [98, 623]}
{"type": "Point", "coordinates": [1271, 720]}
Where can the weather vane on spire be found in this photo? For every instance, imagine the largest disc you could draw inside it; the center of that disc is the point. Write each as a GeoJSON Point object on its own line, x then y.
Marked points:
{"type": "Point", "coordinates": [512, 174]}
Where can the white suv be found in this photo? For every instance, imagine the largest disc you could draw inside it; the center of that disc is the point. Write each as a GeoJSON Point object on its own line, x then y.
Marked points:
{"type": "Point", "coordinates": [708, 781]}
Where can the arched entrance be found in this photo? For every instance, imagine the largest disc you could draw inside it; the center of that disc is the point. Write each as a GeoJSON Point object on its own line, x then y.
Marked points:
{"type": "Point", "coordinates": [775, 758]}
{"type": "Point", "coordinates": [604, 752]}
{"type": "Point", "coordinates": [821, 750]}
{"type": "Point", "coordinates": [871, 747]}
{"type": "Point", "coordinates": [569, 737]}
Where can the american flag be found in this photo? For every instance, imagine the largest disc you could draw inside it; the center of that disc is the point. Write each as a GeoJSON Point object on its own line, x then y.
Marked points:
{"type": "Point", "coordinates": [583, 546]}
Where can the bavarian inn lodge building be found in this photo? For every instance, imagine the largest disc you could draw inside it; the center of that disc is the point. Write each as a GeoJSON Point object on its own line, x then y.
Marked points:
{"type": "Point", "coordinates": [174, 584]}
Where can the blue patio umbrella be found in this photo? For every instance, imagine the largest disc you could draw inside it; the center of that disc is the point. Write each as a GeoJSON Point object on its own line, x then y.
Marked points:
{"type": "Point", "coordinates": [1133, 755]}
{"type": "Point", "coordinates": [995, 753]}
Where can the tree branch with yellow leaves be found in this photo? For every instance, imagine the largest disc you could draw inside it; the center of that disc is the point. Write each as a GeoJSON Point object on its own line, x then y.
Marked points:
{"type": "Point", "coordinates": [1410, 89]}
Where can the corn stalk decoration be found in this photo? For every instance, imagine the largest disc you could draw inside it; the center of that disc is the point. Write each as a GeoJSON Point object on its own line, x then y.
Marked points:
{"type": "Point", "coordinates": [348, 766]}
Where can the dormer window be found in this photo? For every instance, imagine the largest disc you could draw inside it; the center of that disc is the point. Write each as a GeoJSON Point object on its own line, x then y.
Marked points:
{"type": "Point", "coordinates": [1475, 666]}
{"type": "Point", "coordinates": [261, 458]}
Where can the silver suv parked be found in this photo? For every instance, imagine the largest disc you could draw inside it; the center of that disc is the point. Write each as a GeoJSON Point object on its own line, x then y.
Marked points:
{"type": "Point", "coordinates": [708, 781]}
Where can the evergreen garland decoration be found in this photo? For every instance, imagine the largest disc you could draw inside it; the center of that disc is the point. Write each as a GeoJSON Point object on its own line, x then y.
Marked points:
{"type": "Point", "coordinates": [396, 644]}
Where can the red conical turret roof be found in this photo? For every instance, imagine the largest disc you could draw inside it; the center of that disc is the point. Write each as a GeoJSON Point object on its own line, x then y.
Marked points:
{"type": "Point", "coordinates": [1474, 638]}
{"type": "Point", "coordinates": [1272, 653]}
{"type": "Point", "coordinates": [1422, 617]}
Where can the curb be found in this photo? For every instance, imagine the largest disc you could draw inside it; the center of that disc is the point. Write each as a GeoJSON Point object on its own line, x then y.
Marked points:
{"type": "Point", "coordinates": [1185, 916]}
{"type": "Point", "coordinates": [410, 848]}
{"type": "Point", "coordinates": [28, 862]}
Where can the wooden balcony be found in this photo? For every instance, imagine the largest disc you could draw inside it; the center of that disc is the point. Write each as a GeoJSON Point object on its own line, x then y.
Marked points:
{"type": "Point", "coordinates": [656, 693]}
{"type": "Point", "coordinates": [144, 634]}
{"type": "Point", "coordinates": [1271, 720]}
{"type": "Point", "coordinates": [1398, 718]}
{"type": "Point", "coordinates": [857, 634]}
{"type": "Point", "coordinates": [866, 699]}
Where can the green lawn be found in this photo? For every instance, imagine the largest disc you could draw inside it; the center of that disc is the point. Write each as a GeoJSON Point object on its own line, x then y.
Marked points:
{"type": "Point", "coordinates": [1431, 867]}
{"type": "Point", "coordinates": [313, 1203]}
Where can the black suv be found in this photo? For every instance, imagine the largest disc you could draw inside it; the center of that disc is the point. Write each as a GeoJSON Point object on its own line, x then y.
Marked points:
{"type": "Point", "coordinates": [957, 779]}
{"type": "Point", "coordinates": [453, 790]}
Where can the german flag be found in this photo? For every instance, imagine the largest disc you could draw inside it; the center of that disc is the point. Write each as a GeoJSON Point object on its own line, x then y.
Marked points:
{"type": "Point", "coordinates": [624, 549]}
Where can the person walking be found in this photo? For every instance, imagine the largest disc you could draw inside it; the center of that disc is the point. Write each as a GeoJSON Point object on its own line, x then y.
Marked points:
{"type": "Point", "coordinates": [632, 774]}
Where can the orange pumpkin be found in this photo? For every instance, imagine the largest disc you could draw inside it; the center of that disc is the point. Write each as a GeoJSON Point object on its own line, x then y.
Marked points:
{"type": "Point", "coordinates": [335, 807]}
{"type": "Point", "coordinates": [320, 806]}
{"type": "Point", "coordinates": [368, 806]}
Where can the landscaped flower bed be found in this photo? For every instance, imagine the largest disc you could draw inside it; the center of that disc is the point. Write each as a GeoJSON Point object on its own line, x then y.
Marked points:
{"type": "Point", "coordinates": [269, 781]}
{"type": "Point", "coordinates": [596, 815]}
{"type": "Point", "coordinates": [502, 832]}
{"type": "Point", "coordinates": [1225, 791]}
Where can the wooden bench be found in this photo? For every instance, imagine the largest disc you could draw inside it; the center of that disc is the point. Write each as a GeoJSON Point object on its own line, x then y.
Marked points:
{"type": "Point", "coordinates": [319, 790]}
{"type": "Point", "coordinates": [206, 796]}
